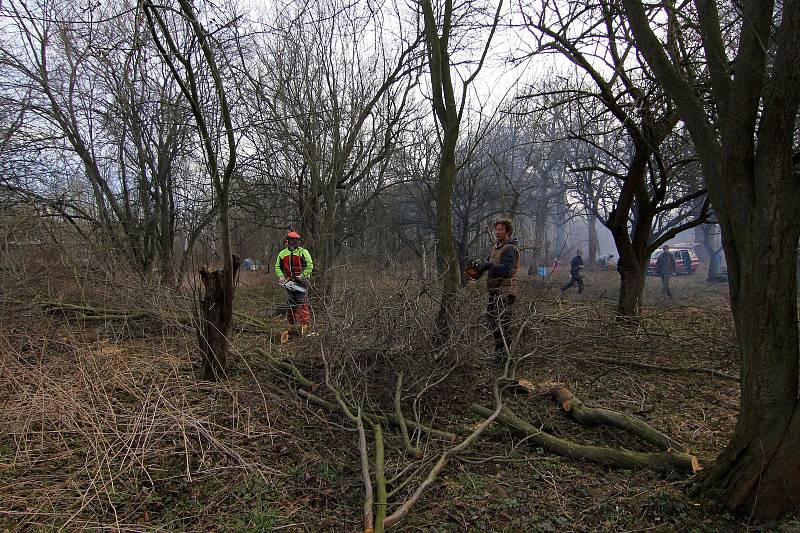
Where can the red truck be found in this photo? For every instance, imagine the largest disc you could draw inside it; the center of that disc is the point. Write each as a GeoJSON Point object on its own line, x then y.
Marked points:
{"type": "Point", "coordinates": [686, 261]}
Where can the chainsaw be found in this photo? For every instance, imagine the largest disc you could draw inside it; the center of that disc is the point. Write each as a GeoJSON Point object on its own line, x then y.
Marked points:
{"type": "Point", "coordinates": [474, 269]}
{"type": "Point", "coordinates": [290, 285]}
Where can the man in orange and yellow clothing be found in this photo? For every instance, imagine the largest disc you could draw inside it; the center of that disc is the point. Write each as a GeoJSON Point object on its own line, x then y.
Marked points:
{"type": "Point", "coordinates": [502, 266]}
{"type": "Point", "coordinates": [293, 267]}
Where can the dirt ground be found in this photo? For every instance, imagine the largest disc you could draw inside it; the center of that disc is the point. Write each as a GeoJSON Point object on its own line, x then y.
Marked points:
{"type": "Point", "coordinates": [106, 427]}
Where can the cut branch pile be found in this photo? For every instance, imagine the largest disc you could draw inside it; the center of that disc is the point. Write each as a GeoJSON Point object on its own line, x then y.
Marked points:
{"type": "Point", "coordinates": [380, 520]}
{"type": "Point", "coordinates": [388, 419]}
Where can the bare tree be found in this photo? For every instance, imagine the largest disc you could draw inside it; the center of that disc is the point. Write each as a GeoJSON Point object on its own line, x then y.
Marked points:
{"type": "Point", "coordinates": [743, 128]}
{"type": "Point", "coordinates": [449, 113]}
{"type": "Point", "coordinates": [329, 112]}
{"type": "Point", "coordinates": [631, 105]}
{"type": "Point", "coordinates": [217, 302]}
{"type": "Point", "coordinates": [100, 112]}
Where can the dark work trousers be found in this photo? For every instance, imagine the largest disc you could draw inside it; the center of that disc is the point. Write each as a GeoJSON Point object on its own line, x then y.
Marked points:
{"type": "Point", "coordinates": [577, 279]}
{"type": "Point", "coordinates": [665, 291]}
{"type": "Point", "coordinates": [499, 313]}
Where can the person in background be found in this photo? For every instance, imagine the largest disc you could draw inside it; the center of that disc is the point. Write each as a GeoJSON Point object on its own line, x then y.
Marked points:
{"type": "Point", "coordinates": [575, 267]}
{"type": "Point", "coordinates": [502, 265]}
{"type": "Point", "coordinates": [665, 267]}
{"type": "Point", "coordinates": [293, 268]}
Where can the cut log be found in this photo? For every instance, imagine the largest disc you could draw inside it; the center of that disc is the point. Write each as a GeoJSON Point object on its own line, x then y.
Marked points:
{"type": "Point", "coordinates": [572, 405]}
{"type": "Point", "coordinates": [661, 461]}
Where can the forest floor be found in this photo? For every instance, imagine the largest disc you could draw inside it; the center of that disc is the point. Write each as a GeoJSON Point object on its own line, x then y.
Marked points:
{"type": "Point", "coordinates": [105, 425]}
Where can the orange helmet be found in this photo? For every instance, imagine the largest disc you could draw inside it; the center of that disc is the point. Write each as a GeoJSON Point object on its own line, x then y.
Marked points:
{"type": "Point", "coordinates": [292, 235]}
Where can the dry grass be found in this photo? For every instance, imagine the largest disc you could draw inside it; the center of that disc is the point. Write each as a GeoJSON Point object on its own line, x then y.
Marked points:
{"type": "Point", "coordinates": [106, 427]}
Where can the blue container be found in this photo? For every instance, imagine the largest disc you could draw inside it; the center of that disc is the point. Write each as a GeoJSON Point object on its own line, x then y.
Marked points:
{"type": "Point", "coordinates": [542, 271]}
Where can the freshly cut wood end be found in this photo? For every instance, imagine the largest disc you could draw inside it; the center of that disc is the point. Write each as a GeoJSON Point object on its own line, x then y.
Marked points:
{"type": "Point", "coordinates": [285, 337]}
{"type": "Point", "coordinates": [696, 467]}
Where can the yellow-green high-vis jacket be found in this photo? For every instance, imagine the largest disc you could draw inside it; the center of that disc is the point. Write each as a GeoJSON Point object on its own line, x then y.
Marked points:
{"type": "Point", "coordinates": [295, 263]}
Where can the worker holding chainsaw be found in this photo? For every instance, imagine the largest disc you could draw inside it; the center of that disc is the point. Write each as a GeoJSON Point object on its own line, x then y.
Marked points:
{"type": "Point", "coordinates": [502, 265]}
{"type": "Point", "coordinates": [293, 267]}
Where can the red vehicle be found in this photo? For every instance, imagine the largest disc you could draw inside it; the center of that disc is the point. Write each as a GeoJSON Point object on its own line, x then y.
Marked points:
{"type": "Point", "coordinates": [686, 261]}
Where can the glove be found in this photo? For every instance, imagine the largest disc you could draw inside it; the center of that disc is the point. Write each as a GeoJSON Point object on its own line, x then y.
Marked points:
{"type": "Point", "coordinates": [481, 265]}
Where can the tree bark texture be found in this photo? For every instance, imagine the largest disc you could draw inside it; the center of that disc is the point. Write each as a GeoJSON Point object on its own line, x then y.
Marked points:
{"type": "Point", "coordinates": [600, 416]}
{"type": "Point", "coordinates": [216, 311]}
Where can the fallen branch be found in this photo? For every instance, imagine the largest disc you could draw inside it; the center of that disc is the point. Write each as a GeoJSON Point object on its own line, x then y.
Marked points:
{"type": "Point", "coordinates": [455, 451]}
{"type": "Point", "coordinates": [289, 368]}
{"type": "Point", "coordinates": [380, 480]}
{"type": "Point", "coordinates": [53, 307]}
{"type": "Point", "coordinates": [412, 450]}
{"type": "Point", "coordinates": [662, 461]}
{"type": "Point", "coordinates": [260, 325]}
{"type": "Point", "coordinates": [102, 314]}
{"type": "Point", "coordinates": [572, 405]}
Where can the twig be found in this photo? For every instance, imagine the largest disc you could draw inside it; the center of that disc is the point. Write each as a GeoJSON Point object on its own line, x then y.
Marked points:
{"type": "Point", "coordinates": [412, 450]}
{"type": "Point", "coordinates": [380, 480]}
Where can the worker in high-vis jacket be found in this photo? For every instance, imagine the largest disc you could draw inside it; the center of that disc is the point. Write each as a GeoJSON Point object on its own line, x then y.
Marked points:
{"type": "Point", "coordinates": [293, 267]}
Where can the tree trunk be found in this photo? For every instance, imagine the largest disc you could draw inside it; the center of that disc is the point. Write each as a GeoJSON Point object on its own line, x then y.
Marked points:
{"type": "Point", "coordinates": [759, 471]}
{"type": "Point", "coordinates": [424, 270]}
{"type": "Point", "coordinates": [703, 253]}
{"type": "Point", "coordinates": [216, 309]}
{"type": "Point", "coordinates": [592, 227]}
{"type": "Point", "coordinates": [710, 245]}
{"type": "Point", "coordinates": [755, 197]}
{"type": "Point", "coordinates": [631, 288]}
{"type": "Point", "coordinates": [447, 260]}
{"type": "Point", "coordinates": [463, 258]}
{"type": "Point", "coordinates": [632, 265]}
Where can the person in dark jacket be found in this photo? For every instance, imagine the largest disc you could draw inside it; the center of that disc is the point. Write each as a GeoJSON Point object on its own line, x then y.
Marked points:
{"type": "Point", "coordinates": [665, 267]}
{"type": "Point", "coordinates": [575, 267]}
{"type": "Point", "coordinates": [502, 265]}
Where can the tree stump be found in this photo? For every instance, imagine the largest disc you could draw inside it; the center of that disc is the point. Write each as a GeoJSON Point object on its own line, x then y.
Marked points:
{"type": "Point", "coordinates": [216, 312]}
